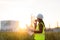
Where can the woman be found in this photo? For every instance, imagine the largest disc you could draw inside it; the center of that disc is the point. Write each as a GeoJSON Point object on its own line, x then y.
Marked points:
{"type": "Point", "coordinates": [39, 24]}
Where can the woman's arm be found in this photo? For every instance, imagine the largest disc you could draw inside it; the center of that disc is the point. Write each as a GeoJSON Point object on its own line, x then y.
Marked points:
{"type": "Point", "coordinates": [40, 29]}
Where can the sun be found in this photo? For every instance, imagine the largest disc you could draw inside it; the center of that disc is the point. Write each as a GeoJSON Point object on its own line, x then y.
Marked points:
{"type": "Point", "coordinates": [23, 23]}
{"type": "Point", "coordinates": [26, 22]}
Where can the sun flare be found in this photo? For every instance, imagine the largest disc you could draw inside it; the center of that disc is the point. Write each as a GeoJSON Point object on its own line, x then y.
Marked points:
{"type": "Point", "coordinates": [24, 23]}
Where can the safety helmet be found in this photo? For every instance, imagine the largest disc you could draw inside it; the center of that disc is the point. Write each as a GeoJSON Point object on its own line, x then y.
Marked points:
{"type": "Point", "coordinates": [40, 16]}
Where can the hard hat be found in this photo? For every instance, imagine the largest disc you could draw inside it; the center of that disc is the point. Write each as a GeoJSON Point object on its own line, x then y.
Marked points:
{"type": "Point", "coordinates": [40, 16]}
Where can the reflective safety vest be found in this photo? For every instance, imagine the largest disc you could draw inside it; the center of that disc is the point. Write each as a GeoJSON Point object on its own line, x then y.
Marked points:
{"type": "Point", "coordinates": [37, 28]}
{"type": "Point", "coordinates": [40, 36]}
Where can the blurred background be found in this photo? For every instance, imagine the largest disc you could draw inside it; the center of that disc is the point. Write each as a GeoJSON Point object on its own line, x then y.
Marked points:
{"type": "Point", "coordinates": [26, 11]}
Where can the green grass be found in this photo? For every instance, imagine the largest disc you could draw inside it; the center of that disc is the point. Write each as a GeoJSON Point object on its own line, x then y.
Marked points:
{"type": "Point", "coordinates": [20, 36]}
{"type": "Point", "coordinates": [25, 36]}
{"type": "Point", "coordinates": [15, 36]}
{"type": "Point", "coordinates": [52, 36]}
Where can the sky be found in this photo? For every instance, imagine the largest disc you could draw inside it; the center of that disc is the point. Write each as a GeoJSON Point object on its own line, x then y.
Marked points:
{"type": "Point", "coordinates": [22, 10]}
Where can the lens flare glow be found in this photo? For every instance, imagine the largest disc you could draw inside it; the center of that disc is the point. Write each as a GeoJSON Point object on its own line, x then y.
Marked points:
{"type": "Point", "coordinates": [23, 23]}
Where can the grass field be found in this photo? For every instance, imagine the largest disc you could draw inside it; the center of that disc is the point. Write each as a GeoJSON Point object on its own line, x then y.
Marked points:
{"type": "Point", "coordinates": [19, 36]}
{"type": "Point", "coordinates": [25, 36]}
{"type": "Point", "coordinates": [14, 36]}
{"type": "Point", "coordinates": [52, 36]}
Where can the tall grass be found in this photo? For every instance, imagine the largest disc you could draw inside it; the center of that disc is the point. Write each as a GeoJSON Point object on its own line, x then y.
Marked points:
{"type": "Point", "coordinates": [25, 36]}
{"type": "Point", "coordinates": [52, 36]}
{"type": "Point", "coordinates": [15, 36]}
